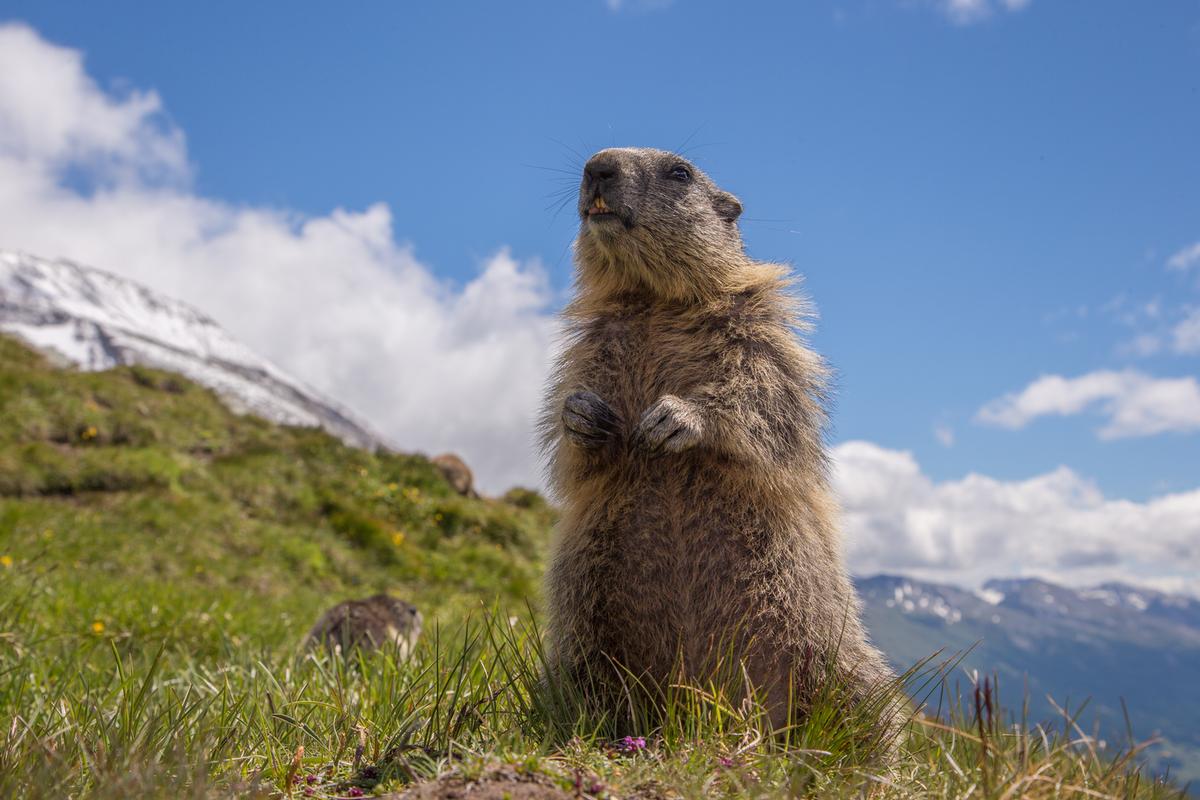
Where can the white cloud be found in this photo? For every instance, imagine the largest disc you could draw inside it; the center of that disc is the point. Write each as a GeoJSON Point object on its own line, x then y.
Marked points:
{"type": "Point", "coordinates": [1142, 345]}
{"type": "Point", "coordinates": [944, 434]}
{"type": "Point", "coordinates": [1160, 326]}
{"type": "Point", "coordinates": [1185, 337]}
{"type": "Point", "coordinates": [1186, 258]}
{"type": "Point", "coordinates": [53, 116]}
{"type": "Point", "coordinates": [636, 5]}
{"type": "Point", "coordinates": [1135, 404]}
{"type": "Point", "coordinates": [334, 299]}
{"type": "Point", "coordinates": [966, 12]}
{"type": "Point", "coordinates": [1057, 525]}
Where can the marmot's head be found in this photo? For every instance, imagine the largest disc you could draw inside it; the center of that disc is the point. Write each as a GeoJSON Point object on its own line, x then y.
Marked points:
{"type": "Point", "coordinates": [402, 614]}
{"type": "Point", "coordinates": [402, 621]}
{"type": "Point", "coordinates": [651, 221]}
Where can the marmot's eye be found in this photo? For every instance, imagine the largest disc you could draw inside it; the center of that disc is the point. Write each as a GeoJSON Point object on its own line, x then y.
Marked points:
{"type": "Point", "coordinates": [680, 173]}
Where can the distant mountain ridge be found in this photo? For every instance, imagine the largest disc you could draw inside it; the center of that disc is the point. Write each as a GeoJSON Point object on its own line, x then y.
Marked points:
{"type": "Point", "coordinates": [1111, 610]}
{"type": "Point", "coordinates": [1106, 644]}
{"type": "Point", "coordinates": [97, 320]}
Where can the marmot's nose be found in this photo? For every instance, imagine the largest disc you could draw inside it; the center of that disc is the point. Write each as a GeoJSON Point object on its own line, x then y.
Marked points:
{"type": "Point", "coordinates": [602, 169]}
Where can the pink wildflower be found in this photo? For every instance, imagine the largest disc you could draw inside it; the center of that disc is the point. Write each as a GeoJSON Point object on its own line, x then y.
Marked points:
{"type": "Point", "coordinates": [632, 744]}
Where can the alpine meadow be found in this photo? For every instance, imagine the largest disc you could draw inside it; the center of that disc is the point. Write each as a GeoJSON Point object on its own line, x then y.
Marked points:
{"type": "Point", "coordinates": [607, 400]}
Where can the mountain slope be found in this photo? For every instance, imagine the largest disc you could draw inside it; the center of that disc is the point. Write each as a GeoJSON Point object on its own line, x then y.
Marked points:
{"type": "Point", "coordinates": [97, 320]}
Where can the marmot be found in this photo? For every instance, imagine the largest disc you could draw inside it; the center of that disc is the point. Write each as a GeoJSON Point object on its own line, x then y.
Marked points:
{"type": "Point", "coordinates": [684, 434]}
{"type": "Point", "coordinates": [378, 621]}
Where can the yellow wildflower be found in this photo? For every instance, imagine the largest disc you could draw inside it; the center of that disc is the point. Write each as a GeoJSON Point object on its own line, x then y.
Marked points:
{"type": "Point", "coordinates": [88, 433]}
{"type": "Point", "coordinates": [97, 627]}
{"type": "Point", "coordinates": [6, 561]}
{"type": "Point", "coordinates": [397, 538]}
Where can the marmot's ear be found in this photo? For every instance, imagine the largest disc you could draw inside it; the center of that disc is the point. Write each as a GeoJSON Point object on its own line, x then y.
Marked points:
{"type": "Point", "coordinates": [727, 206]}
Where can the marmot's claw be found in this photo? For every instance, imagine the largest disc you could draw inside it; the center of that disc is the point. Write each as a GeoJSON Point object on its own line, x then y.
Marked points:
{"type": "Point", "coordinates": [588, 420]}
{"type": "Point", "coordinates": [671, 425]}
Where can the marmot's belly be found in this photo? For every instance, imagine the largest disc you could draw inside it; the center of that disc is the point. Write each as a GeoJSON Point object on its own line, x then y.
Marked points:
{"type": "Point", "coordinates": [685, 560]}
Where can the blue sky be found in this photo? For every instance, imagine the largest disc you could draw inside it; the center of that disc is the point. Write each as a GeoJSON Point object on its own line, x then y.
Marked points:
{"type": "Point", "coordinates": [979, 193]}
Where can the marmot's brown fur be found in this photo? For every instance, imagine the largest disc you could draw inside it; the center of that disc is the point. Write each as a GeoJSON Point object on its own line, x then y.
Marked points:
{"type": "Point", "coordinates": [378, 621]}
{"type": "Point", "coordinates": [684, 432]}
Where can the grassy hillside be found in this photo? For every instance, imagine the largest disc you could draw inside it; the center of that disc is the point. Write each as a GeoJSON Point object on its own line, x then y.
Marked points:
{"type": "Point", "coordinates": [131, 495]}
{"type": "Point", "coordinates": [161, 559]}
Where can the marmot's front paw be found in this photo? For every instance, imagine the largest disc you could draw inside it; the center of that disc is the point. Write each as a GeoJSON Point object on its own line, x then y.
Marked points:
{"type": "Point", "coordinates": [671, 425]}
{"type": "Point", "coordinates": [588, 421]}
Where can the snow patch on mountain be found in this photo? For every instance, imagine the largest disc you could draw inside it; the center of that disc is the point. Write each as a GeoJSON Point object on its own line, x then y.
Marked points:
{"type": "Point", "coordinates": [990, 596]}
{"type": "Point", "coordinates": [913, 597]}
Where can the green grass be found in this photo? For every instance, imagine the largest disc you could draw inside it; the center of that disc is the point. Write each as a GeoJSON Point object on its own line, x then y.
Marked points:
{"type": "Point", "coordinates": [162, 558]}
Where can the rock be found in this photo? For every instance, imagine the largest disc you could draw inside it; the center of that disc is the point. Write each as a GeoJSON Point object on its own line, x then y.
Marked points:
{"type": "Point", "coordinates": [457, 473]}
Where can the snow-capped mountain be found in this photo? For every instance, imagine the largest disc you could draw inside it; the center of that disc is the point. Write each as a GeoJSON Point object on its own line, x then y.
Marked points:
{"type": "Point", "coordinates": [1111, 610]}
{"type": "Point", "coordinates": [1106, 644]}
{"type": "Point", "coordinates": [97, 320]}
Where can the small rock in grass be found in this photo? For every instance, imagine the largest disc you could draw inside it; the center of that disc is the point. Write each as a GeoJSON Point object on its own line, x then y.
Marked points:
{"type": "Point", "coordinates": [456, 473]}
